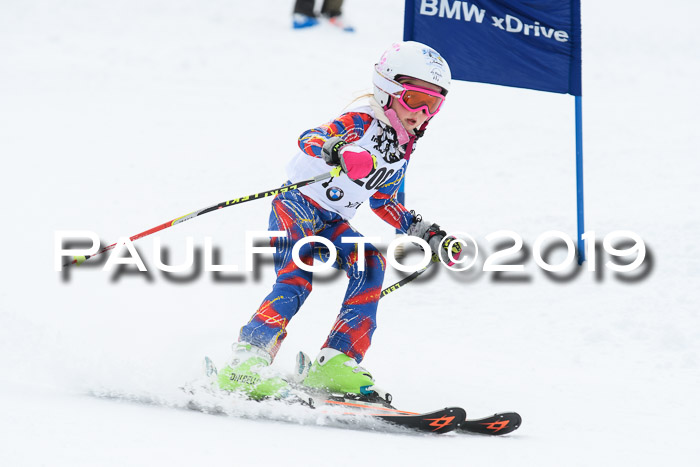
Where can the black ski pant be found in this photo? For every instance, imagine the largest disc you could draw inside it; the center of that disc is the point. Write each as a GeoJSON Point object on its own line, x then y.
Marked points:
{"type": "Point", "coordinates": [330, 8]}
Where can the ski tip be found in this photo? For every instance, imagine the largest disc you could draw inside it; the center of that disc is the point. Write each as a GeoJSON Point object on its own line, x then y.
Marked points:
{"type": "Point", "coordinates": [498, 424]}
{"type": "Point", "coordinates": [303, 365]}
{"type": "Point", "coordinates": [439, 421]}
{"type": "Point", "coordinates": [443, 421]}
{"type": "Point", "coordinates": [209, 367]}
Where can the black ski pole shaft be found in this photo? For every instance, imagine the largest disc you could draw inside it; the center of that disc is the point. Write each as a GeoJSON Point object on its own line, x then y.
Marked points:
{"type": "Point", "coordinates": [224, 204]}
{"type": "Point", "coordinates": [407, 279]}
{"type": "Point", "coordinates": [402, 282]}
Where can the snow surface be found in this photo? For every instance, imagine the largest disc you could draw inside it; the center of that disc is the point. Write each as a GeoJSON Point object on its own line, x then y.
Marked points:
{"type": "Point", "coordinates": [118, 116]}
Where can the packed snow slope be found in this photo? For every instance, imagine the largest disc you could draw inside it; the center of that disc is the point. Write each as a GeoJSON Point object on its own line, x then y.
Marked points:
{"type": "Point", "coordinates": [118, 116]}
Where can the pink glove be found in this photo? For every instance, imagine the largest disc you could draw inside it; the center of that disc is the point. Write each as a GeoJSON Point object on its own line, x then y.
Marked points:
{"type": "Point", "coordinates": [355, 161]}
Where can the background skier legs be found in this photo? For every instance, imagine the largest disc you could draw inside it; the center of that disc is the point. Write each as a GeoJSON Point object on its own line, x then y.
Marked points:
{"type": "Point", "coordinates": [305, 16]}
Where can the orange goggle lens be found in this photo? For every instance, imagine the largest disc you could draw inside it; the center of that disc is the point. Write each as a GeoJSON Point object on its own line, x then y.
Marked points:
{"type": "Point", "coordinates": [415, 99]}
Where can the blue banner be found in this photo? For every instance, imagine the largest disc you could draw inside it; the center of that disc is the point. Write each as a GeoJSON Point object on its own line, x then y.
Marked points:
{"type": "Point", "coordinates": [534, 44]}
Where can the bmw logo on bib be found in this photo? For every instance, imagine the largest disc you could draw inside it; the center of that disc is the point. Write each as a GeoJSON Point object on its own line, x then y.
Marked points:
{"type": "Point", "coordinates": [334, 193]}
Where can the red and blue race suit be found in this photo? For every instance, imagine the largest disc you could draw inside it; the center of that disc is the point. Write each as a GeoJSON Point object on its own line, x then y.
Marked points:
{"type": "Point", "coordinates": [323, 209]}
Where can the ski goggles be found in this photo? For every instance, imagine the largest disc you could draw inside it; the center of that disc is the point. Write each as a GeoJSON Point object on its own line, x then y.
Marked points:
{"type": "Point", "coordinates": [416, 98]}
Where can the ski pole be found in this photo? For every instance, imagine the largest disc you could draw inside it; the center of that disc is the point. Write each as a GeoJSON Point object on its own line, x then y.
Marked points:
{"type": "Point", "coordinates": [403, 282]}
{"type": "Point", "coordinates": [224, 204]}
{"type": "Point", "coordinates": [412, 276]}
{"type": "Point", "coordinates": [407, 279]}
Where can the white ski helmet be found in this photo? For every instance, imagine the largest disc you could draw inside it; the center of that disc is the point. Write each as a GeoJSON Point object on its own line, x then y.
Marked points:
{"type": "Point", "coordinates": [411, 59]}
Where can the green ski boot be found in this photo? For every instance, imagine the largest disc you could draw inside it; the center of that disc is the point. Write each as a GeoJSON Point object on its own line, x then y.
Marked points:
{"type": "Point", "coordinates": [336, 372]}
{"type": "Point", "coordinates": [246, 374]}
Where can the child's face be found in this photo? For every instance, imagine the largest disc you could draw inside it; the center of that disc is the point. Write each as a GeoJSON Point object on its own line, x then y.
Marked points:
{"type": "Point", "coordinates": [409, 119]}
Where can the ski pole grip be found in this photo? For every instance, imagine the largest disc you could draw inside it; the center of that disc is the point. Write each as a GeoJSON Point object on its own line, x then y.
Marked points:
{"type": "Point", "coordinates": [324, 176]}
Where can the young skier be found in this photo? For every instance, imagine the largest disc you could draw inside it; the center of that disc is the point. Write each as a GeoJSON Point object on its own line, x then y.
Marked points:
{"type": "Point", "coordinates": [373, 144]}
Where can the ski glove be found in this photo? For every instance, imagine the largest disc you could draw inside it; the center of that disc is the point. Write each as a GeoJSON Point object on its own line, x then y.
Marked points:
{"type": "Point", "coordinates": [355, 161]}
{"type": "Point", "coordinates": [432, 234]}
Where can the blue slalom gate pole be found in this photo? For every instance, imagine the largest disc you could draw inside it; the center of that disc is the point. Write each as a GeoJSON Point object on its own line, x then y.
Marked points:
{"type": "Point", "coordinates": [579, 179]}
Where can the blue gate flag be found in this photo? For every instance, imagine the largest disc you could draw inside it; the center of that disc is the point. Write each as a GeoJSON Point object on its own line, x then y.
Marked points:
{"type": "Point", "coordinates": [533, 44]}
